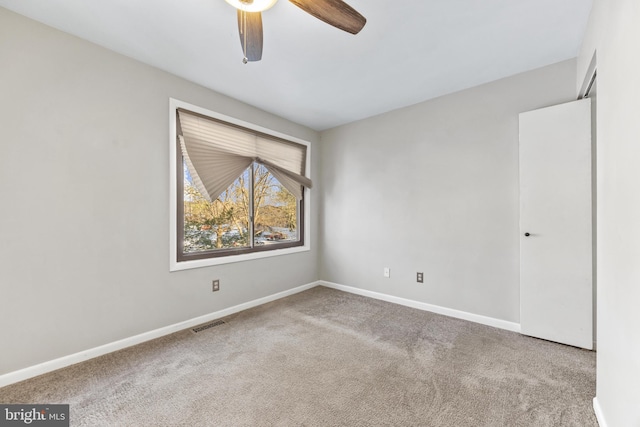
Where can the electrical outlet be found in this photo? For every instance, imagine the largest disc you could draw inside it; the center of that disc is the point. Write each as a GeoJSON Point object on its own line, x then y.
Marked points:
{"type": "Point", "coordinates": [420, 277]}
{"type": "Point", "coordinates": [387, 272]}
{"type": "Point", "coordinates": [215, 285]}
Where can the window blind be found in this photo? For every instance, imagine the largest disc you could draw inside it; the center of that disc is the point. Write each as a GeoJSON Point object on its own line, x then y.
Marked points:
{"type": "Point", "coordinates": [216, 154]}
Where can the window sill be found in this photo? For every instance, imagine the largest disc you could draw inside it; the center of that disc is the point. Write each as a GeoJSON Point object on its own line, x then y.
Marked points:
{"type": "Point", "coordinates": [208, 262]}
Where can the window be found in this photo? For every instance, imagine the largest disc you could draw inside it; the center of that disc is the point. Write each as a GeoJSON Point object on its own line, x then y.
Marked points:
{"type": "Point", "coordinates": [239, 190]}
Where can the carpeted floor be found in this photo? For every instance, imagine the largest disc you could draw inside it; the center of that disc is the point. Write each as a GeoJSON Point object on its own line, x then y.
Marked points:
{"type": "Point", "coordinates": [328, 358]}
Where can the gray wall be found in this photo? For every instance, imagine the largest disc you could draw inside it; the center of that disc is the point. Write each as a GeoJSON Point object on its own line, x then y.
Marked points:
{"type": "Point", "coordinates": [84, 185]}
{"type": "Point", "coordinates": [613, 32]}
{"type": "Point", "coordinates": [434, 188]}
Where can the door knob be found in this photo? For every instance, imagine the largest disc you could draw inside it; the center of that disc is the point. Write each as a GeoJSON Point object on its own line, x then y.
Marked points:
{"type": "Point", "coordinates": [527, 234]}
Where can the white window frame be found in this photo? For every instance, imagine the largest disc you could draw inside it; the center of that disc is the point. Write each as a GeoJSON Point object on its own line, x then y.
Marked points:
{"type": "Point", "coordinates": [174, 264]}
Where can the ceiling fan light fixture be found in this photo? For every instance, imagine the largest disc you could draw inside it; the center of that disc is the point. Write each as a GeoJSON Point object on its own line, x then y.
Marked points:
{"type": "Point", "coordinates": [252, 5]}
{"type": "Point", "coordinates": [336, 13]}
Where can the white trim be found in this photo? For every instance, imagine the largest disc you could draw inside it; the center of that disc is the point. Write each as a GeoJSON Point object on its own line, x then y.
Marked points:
{"type": "Point", "coordinates": [589, 78]}
{"type": "Point", "coordinates": [477, 318]}
{"type": "Point", "coordinates": [599, 414]}
{"type": "Point", "coordinates": [208, 262]}
{"type": "Point", "coordinates": [174, 265]}
{"type": "Point", "coordinates": [52, 365]}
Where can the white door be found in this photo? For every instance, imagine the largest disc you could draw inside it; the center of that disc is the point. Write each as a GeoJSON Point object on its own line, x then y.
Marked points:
{"type": "Point", "coordinates": [555, 224]}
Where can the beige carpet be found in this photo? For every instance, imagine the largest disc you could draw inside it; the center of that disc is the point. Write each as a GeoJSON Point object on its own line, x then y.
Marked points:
{"type": "Point", "coordinates": [328, 358]}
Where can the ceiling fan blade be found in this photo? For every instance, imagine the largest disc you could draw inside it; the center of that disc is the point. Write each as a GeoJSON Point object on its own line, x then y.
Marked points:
{"type": "Point", "coordinates": [334, 12]}
{"type": "Point", "coordinates": [250, 27]}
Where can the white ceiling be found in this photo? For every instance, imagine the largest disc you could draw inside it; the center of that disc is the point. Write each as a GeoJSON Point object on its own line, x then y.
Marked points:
{"type": "Point", "coordinates": [316, 75]}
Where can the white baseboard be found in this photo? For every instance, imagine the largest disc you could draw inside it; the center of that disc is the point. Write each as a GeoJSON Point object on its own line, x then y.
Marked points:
{"type": "Point", "coordinates": [52, 365]}
{"type": "Point", "coordinates": [599, 415]}
{"type": "Point", "coordinates": [477, 318]}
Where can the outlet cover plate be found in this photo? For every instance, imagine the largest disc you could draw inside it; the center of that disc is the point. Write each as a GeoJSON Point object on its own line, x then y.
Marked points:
{"type": "Point", "coordinates": [215, 285]}
{"type": "Point", "coordinates": [420, 277]}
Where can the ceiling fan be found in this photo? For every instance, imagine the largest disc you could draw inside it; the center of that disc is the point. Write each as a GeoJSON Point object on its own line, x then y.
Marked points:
{"type": "Point", "coordinates": [334, 12]}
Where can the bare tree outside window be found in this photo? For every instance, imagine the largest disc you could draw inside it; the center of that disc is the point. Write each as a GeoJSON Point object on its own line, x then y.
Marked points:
{"type": "Point", "coordinates": [225, 223]}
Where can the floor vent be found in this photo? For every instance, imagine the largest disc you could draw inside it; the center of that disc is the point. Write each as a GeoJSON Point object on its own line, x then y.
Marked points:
{"type": "Point", "coordinates": [207, 326]}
